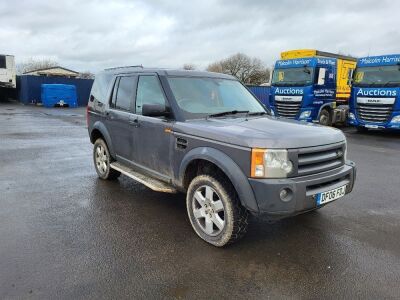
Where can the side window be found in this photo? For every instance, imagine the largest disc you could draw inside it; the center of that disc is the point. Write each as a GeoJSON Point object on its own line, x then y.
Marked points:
{"type": "Point", "coordinates": [3, 64]}
{"type": "Point", "coordinates": [100, 87]}
{"type": "Point", "coordinates": [125, 93]}
{"type": "Point", "coordinates": [148, 92]}
{"type": "Point", "coordinates": [114, 93]}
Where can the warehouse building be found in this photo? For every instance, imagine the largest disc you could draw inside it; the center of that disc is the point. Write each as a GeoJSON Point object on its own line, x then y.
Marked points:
{"type": "Point", "coordinates": [54, 71]}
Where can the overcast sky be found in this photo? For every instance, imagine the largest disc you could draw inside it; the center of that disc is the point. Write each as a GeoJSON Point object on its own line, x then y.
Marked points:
{"type": "Point", "coordinates": [92, 35]}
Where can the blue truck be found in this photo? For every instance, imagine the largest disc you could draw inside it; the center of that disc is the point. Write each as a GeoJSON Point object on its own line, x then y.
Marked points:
{"type": "Point", "coordinates": [312, 85]}
{"type": "Point", "coordinates": [375, 93]}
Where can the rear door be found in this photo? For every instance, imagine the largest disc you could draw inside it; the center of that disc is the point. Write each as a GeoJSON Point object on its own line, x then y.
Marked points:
{"type": "Point", "coordinates": [121, 122]}
{"type": "Point", "coordinates": [153, 138]}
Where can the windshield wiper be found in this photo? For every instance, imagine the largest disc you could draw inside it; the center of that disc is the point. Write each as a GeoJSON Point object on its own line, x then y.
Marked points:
{"type": "Point", "coordinates": [225, 113]}
{"type": "Point", "coordinates": [290, 83]}
{"type": "Point", "coordinates": [257, 113]}
{"type": "Point", "coordinates": [391, 82]}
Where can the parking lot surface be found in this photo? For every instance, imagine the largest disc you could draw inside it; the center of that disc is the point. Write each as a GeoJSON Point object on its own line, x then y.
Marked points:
{"type": "Point", "coordinates": [66, 234]}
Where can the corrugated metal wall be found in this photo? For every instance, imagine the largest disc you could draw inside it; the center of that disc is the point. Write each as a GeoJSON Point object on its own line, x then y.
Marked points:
{"type": "Point", "coordinates": [29, 87]}
{"type": "Point", "coordinates": [261, 92]}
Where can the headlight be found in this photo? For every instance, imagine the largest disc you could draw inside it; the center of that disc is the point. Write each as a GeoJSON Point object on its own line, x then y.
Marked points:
{"type": "Point", "coordinates": [305, 114]}
{"type": "Point", "coordinates": [395, 119]}
{"type": "Point", "coordinates": [270, 163]}
{"type": "Point", "coordinates": [352, 116]}
{"type": "Point", "coordinates": [272, 112]}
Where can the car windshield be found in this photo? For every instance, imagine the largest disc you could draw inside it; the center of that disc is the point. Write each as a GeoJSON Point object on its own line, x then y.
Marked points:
{"type": "Point", "coordinates": [199, 97]}
{"type": "Point", "coordinates": [377, 76]}
{"type": "Point", "coordinates": [293, 76]}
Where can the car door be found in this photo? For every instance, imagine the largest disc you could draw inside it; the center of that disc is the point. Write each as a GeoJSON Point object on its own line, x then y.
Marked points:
{"type": "Point", "coordinates": [121, 121]}
{"type": "Point", "coordinates": [153, 138]}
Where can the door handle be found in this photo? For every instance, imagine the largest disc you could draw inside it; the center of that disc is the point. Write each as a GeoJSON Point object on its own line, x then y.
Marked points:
{"type": "Point", "coordinates": [134, 122]}
{"type": "Point", "coordinates": [109, 116]}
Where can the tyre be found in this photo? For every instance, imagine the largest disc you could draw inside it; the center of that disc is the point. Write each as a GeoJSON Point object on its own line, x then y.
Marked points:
{"type": "Point", "coordinates": [102, 160]}
{"type": "Point", "coordinates": [215, 211]}
{"type": "Point", "coordinates": [325, 117]}
{"type": "Point", "coordinates": [361, 129]}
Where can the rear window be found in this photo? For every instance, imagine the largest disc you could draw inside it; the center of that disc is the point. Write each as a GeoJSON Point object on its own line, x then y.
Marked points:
{"type": "Point", "coordinates": [100, 86]}
{"type": "Point", "coordinates": [3, 64]}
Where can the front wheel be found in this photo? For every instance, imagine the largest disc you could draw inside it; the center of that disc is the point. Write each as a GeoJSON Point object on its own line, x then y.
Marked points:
{"type": "Point", "coordinates": [215, 211]}
{"type": "Point", "coordinates": [325, 117]}
{"type": "Point", "coordinates": [102, 160]}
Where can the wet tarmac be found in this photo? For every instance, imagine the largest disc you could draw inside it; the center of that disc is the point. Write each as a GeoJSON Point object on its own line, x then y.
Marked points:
{"type": "Point", "coordinates": [64, 234]}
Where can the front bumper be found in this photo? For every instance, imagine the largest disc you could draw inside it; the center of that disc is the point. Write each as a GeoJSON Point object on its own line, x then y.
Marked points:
{"type": "Point", "coordinates": [303, 189]}
{"type": "Point", "coordinates": [375, 125]}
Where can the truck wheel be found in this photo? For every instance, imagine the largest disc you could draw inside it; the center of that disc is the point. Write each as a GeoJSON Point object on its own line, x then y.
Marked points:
{"type": "Point", "coordinates": [102, 159]}
{"type": "Point", "coordinates": [361, 129]}
{"type": "Point", "coordinates": [325, 117]}
{"type": "Point", "coordinates": [215, 211]}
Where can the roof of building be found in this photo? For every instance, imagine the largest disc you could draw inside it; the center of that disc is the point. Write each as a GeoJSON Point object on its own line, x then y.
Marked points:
{"type": "Point", "coordinates": [51, 68]}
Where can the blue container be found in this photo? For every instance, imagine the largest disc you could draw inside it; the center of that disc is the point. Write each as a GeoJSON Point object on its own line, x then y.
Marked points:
{"type": "Point", "coordinates": [261, 92]}
{"type": "Point", "coordinates": [59, 95]}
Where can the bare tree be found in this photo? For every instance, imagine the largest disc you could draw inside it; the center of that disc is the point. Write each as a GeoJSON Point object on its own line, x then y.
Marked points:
{"type": "Point", "coordinates": [86, 75]}
{"type": "Point", "coordinates": [189, 67]}
{"type": "Point", "coordinates": [246, 69]}
{"type": "Point", "coordinates": [35, 64]}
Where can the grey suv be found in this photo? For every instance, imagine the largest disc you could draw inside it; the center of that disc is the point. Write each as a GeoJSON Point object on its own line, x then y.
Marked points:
{"type": "Point", "coordinates": [206, 135]}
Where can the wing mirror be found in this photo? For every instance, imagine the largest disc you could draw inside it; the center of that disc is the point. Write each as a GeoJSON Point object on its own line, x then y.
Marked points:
{"type": "Point", "coordinates": [155, 110]}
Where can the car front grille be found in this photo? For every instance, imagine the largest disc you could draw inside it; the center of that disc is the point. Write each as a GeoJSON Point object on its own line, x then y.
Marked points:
{"type": "Point", "coordinates": [287, 109]}
{"type": "Point", "coordinates": [377, 113]}
{"type": "Point", "coordinates": [320, 159]}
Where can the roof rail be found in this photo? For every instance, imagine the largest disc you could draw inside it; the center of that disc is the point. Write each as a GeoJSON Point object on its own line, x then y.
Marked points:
{"type": "Point", "coordinates": [115, 68]}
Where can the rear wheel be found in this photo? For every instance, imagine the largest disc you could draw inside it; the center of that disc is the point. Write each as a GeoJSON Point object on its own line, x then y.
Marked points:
{"type": "Point", "coordinates": [325, 117]}
{"type": "Point", "coordinates": [215, 211]}
{"type": "Point", "coordinates": [102, 160]}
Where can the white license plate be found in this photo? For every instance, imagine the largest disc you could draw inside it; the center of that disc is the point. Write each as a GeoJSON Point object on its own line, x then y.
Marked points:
{"type": "Point", "coordinates": [331, 195]}
{"type": "Point", "coordinates": [372, 126]}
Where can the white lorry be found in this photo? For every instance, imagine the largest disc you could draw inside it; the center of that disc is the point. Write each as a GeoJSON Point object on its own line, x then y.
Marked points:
{"type": "Point", "coordinates": [7, 71]}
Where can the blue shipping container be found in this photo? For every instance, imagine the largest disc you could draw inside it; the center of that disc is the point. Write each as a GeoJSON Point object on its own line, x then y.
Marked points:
{"type": "Point", "coordinates": [261, 92]}
{"type": "Point", "coordinates": [59, 95]}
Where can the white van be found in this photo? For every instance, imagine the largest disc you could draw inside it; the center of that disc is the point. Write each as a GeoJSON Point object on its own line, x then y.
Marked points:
{"type": "Point", "coordinates": [7, 71]}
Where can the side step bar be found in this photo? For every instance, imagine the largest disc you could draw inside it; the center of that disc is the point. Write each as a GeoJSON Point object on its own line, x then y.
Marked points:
{"type": "Point", "coordinates": [152, 183]}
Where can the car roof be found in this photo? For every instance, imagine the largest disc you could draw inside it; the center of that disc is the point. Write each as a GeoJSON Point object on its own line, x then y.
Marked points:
{"type": "Point", "coordinates": [166, 72]}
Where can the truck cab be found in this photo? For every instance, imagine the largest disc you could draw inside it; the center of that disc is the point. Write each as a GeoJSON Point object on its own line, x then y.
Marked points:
{"type": "Point", "coordinates": [375, 99]}
{"type": "Point", "coordinates": [308, 85]}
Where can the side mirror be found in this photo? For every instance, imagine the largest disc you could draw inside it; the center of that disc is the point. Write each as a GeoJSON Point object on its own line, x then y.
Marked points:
{"type": "Point", "coordinates": [155, 110]}
{"type": "Point", "coordinates": [350, 77]}
{"type": "Point", "coordinates": [321, 76]}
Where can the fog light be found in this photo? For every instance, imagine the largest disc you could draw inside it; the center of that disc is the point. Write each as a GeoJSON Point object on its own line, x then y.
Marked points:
{"type": "Point", "coordinates": [395, 119]}
{"type": "Point", "coordinates": [305, 114]}
{"type": "Point", "coordinates": [352, 116]}
{"type": "Point", "coordinates": [286, 194]}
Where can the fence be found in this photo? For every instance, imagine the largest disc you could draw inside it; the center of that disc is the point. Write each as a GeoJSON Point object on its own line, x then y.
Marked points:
{"type": "Point", "coordinates": [29, 87]}
{"type": "Point", "coordinates": [261, 92]}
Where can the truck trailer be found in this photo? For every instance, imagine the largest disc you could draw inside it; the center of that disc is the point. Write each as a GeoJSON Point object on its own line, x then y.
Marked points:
{"type": "Point", "coordinates": [374, 101]}
{"type": "Point", "coordinates": [312, 86]}
{"type": "Point", "coordinates": [7, 71]}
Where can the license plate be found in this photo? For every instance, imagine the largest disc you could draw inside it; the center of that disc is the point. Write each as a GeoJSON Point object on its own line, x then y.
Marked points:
{"type": "Point", "coordinates": [372, 126]}
{"type": "Point", "coordinates": [331, 195]}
